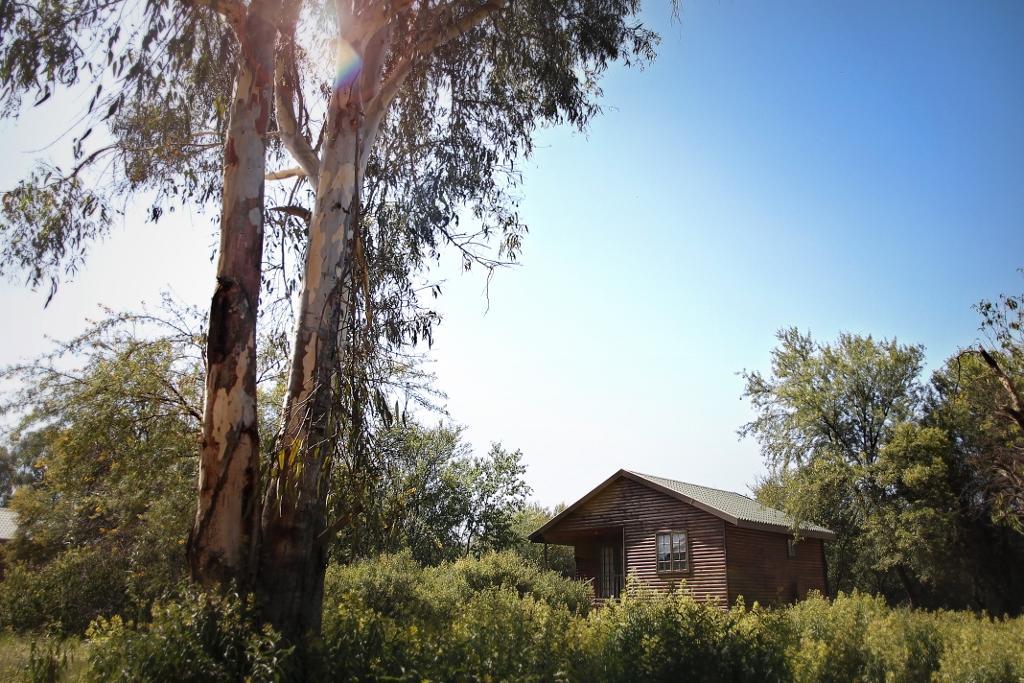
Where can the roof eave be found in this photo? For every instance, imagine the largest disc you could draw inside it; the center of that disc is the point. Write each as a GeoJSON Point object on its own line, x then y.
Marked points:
{"type": "Point", "coordinates": [823, 534]}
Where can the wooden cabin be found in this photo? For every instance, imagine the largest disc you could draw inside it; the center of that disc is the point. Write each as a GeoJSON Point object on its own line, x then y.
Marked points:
{"type": "Point", "coordinates": [664, 532]}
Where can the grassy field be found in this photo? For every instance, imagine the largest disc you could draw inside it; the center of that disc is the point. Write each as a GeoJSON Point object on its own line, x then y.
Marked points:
{"type": "Point", "coordinates": [16, 656]}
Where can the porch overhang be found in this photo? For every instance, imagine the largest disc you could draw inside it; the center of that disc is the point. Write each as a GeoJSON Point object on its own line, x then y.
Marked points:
{"type": "Point", "coordinates": [556, 536]}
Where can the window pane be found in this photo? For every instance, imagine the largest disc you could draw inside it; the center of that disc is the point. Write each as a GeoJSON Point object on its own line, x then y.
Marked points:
{"type": "Point", "coordinates": [679, 551]}
{"type": "Point", "coordinates": [664, 552]}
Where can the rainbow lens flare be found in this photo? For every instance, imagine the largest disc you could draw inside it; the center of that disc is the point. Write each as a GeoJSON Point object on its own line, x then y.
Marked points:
{"type": "Point", "coordinates": [349, 64]}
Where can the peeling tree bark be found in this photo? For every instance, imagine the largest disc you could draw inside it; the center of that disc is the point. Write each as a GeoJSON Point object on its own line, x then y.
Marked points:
{"type": "Point", "coordinates": [224, 536]}
{"type": "Point", "coordinates": [294, 552]}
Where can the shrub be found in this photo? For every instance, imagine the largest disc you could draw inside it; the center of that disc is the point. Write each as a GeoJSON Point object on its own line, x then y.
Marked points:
{"type": "Point", "coordinates": [64, 595]}
{"type": "Point", "coordinates": [980, 650]}
{"type": "Point", "coordinates": [670, 638]}
{"type": "Point", "coordinates": [200, 637]}
{"type": "Point", "coordinates": [857, 637]}
{"type": "Point", "coordinates": [499, 635]}
{"type": "Point", "coordinates": [829, 640]}
{"type": "Point", "coordinates": [497, 616]}
{"type": "Point", "coordinates": [510, 570]}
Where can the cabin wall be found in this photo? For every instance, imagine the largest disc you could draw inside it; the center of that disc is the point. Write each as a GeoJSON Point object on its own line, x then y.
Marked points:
{"type": "Point", "coordinates": [642, 512]}
{"type": "Point", "coordinates": [760, 568]}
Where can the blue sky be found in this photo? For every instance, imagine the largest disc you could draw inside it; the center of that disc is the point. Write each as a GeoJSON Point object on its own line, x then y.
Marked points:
{"type": "Point", "coordinates": [834, 166]}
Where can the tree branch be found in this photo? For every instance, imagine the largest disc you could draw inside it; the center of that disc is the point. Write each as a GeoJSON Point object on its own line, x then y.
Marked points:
{"type": "Point", "coordinates": [232, 11]}
{"type": "Point", "coordinates": [284, 95]}
{"type": "Point", "coordinates": [441, 35]}
{"type": "Point", "coordinates": [292, 210]}
{"type": "Point", "coordinates": [1014, 410]}
{"type": "Point", "coordinates": [285, 173]}
{"type": "Point", "coordinates": [367, 23]}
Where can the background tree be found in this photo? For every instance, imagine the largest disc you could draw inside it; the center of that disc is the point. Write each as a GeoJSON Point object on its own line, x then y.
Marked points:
{"type": "Point", "coordinates": [994, 400]}
{"type": "Point", "coordinates": [560, 558]}
{"type": "Point", "coordinates": [108, 421]}
{"type": "Point", "coordinates": [854, 440]}
{"type": "Point", "coordinates": [106, 425]}
{"type": "Point", "coordinates": [16, 469]}
{"type": "Point", "coordinates": [430, 495]}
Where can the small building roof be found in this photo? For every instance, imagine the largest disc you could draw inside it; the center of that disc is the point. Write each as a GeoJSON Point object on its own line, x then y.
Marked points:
{"type": "Point", "coordinates": [735, 508]}
{"type": "Point", "coordinates": [8, 523]}
{"type": "Point", "coordinates": [735, 505]}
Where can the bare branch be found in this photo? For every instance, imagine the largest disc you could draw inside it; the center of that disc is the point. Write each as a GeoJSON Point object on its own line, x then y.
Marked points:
{"type": "Point", "coordinates": [284, 96]}
{"type": "Point", "coordinates": [285, 173]}
{"type": "Point", "coordinates": [439, 36]}
{"type": "Point", "coordinates": [1014, 410]}
{"type": "Point", "coordinates": [292, 210]}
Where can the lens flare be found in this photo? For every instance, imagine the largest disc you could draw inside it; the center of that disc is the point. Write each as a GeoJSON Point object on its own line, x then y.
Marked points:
{"type": "Point", "coordinates": [349, 64]}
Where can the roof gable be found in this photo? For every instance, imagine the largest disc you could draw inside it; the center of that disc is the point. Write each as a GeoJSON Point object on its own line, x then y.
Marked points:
{"type": "Point", "coordinates": [735, 508]}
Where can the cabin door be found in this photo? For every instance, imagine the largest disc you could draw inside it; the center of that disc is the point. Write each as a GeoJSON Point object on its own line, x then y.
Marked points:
{"type": "Point", "coordinates": [609, 578]}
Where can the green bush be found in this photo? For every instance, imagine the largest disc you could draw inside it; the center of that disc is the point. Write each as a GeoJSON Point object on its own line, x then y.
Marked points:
{"type": "Point", "coordinates": [200, 637]}
{"type": "Point", "coordinates": [499, 636]}
{"type": "Point", "coordinates": [980, 650]}
{"type": "Point", "coordinates": [498, 618]}
{"type": "Point", "coordinates": [857, 637]}
{"type": "Point", "coordinates": [670, 638]}
{"type": "Point", "coordinates": [510, 570]}
{"type": "Point", "coordinates": [64, 595]}
{"type": "Point", "coordinates": [398, 585]}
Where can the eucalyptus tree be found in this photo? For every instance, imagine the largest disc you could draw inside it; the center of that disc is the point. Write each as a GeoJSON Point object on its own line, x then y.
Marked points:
{"type": "Point", "coordinates": [401, 118]}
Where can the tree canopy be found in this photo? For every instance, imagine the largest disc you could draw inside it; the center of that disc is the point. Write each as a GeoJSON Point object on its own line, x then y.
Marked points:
{"type": "Point", "coordinates": [909, 473]}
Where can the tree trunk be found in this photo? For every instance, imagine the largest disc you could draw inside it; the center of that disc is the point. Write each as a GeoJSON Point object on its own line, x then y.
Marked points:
{"type": "Point", "coordinates": [293, 557]}
{"type": "Point", "coordinates": [223, 540]}
{"type": "Point", "coordinates": [293, 551]}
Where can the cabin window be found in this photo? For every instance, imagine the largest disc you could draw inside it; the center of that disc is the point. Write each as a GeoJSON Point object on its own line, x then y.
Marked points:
{"type": "Point", "coordinates": [672, 556]}
{"type": "Point", "coordinates": [791, 548]}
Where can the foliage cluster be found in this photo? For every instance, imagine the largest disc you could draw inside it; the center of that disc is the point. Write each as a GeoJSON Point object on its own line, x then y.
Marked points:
{"type": "Point", "coordinates": [498, 618]}
{"type": "Point", "coordinates": [921, 478]}
{"type": "Point", "coordinates": [423, 490]}
{"type": "Point", "coordinates": [199, 637]}
{"type": "Point", "coordinates": [104, 454]}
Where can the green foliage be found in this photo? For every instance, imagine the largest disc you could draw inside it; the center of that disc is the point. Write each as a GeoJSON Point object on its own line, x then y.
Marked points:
{"type": "Point", "coordinates": [427, 493]}
{"type": "Point", "coordinates": [843, 398]}
{"type": "Point", "coordinates": [200, 637]}
{"type": "Point", "coordinates": [498, 618]}
{"type": "Point", "coordinates": [857, 637]}
{"type": "Point", "coordinates": [672, 638]}
{"type": "Point", "coordinates": [560, 558]}
{"type": "Point", "coordinates": [112, 442]}
{"type": "Point", "coordinates": [65, 594]}
{"type": "Point", "coordinates": [47, 662]}
{"type": "Point", "coordinates": [856, 441]}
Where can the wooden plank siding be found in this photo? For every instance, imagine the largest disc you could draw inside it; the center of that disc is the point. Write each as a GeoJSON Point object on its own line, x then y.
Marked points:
{"type": "Point", "coordinates": [641, 512]}
{"type": "Point", "coordinates": [761, 570]}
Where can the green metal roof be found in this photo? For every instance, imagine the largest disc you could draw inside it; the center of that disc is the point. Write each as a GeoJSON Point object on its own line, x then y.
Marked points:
{"type": "Point", "coordinates": [735, 505]}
